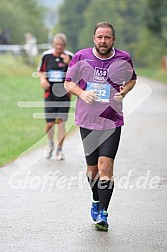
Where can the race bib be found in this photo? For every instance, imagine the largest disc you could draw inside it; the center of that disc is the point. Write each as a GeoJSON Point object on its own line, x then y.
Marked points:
{"type": "Point", "coordinates": [56, 76]}
{"type": "Point", "coordinates": [102, 91]}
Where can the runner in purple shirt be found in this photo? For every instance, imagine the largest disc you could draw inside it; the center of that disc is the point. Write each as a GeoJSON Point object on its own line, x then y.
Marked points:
{"type": "Point", "coordinates": [100, 77]}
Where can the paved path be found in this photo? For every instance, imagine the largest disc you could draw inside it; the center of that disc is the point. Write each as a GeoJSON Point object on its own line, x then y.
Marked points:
{"type": "Point", "coordinates": [45, 206]}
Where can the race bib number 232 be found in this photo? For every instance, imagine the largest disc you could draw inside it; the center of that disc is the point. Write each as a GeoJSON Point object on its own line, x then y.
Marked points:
{"type": "Point", "coordinates": [102, 91]}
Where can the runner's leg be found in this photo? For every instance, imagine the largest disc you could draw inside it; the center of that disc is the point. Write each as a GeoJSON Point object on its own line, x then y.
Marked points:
{"type": "Point", "coordinates": [106, 182]}
{"type": "Point", "coordinates": [50, 131]}
{"type": "Point", "coordinates": [61, 132]}
{"type": "Point", "coordinates": [92, 160]}
{"type": "Point", "coordinates": [93, 178]}
{"type": "Point", "coordinates": [62, 117]}
{"type": "Point", "coordinates": [50, 121]}
{"type": "Point", "coordinates": [107, 153]}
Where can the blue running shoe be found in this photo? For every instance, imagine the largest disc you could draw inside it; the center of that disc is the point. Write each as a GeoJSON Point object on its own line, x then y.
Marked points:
{"type": "Point", "coordinates": [95, 210]}
{"type": "Point", "coordinates": [101, 221]}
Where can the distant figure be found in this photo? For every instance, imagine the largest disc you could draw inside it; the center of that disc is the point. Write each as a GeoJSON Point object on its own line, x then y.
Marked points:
{"type": "Point", "coordinates": [52, 70]}
{"type": "Point", "coordinates": [31, 47]}
{"type": "Point", "coordinates": [164, 63]}
{"type": "Point", "coordinates": [5, 37]}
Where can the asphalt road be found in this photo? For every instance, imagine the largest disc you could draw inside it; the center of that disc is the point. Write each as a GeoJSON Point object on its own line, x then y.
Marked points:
{"type": "Point", "coordinates": [45, 204]}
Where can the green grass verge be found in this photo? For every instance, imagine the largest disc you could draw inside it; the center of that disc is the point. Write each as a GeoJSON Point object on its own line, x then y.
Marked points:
{"type": "Point", "coordinates": [18, 129]}
{"type": "Point", "coordinates": [155, 73]}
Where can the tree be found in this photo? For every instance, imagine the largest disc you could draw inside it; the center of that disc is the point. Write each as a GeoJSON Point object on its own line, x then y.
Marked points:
{"type": "Point", "coordinates": [125, 16]}
{"type": "Point", "coordinates": [156, 18]}
{"type": "Point", "coordinates": [141, 26]}
{"type": "Point", "coordinates": [71, 21]}
{"type": "Point", "coordinates": [25, 16]}
{"type": "Point", "coordinates": [93, 14]}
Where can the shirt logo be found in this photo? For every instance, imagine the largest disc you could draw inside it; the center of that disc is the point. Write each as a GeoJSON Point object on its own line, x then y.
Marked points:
{"type": "Point", "coordinates": [100, 74]}
{"type": "Point", "coordinates": [88, 59]}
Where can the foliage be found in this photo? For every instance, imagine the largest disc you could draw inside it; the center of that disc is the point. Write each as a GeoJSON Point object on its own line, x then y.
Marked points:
{"type": "Point", "coordinates": [71, 20]}
{"type": "Point", "coordinates": [156, 18]}
{"type": "Point", "coordinates": [141, 26]}
{"type": "Point", "coordinates": [25, 16]}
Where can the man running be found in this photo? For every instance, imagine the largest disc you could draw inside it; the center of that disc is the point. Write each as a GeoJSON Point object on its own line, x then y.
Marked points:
{"type": "Point", "coordinates": [52, 70]}
{"type": "Point", "coordinates": [100, 78]}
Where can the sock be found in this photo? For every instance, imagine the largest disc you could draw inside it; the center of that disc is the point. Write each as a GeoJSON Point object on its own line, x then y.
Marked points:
{"type": "Point", "coordinates": [105, 190]}
{"type": "Point", "coordinates": [94, 187]}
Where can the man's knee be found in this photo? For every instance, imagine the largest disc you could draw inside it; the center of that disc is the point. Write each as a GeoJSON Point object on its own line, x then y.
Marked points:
{"type": "Point", "coordinates": [92, 171]}
{"type": "Point", "coordinates": [59, 122]}
{"type": "Point", "coordinates": [51, 124]}
{"type": "Point", "coordinates": [105, 167]}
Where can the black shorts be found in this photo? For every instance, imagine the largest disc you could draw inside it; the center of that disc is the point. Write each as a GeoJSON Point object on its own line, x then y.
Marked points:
{"type": "Point", "coordinates": [53, 109]}
{"type": "Point", "coordinates": [99, 143]}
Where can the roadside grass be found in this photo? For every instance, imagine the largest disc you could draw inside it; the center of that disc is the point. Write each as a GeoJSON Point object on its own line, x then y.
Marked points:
{"type": "Point", "coordinates": [154, 73]}
{"type": "Point", "coordinates": [18, 129]}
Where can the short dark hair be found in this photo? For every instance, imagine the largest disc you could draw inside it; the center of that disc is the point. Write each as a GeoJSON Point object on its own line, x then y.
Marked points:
{"type": "Point", "coordinates": [105, 25]}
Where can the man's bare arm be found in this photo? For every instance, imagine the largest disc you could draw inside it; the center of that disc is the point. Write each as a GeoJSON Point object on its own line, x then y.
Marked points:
{"type": "Point", "coordinates": [43, 81]}
{"type": "Point", "coordinates": [87, 96]}
{"type": "Point", "coordinates": [124, 90]}
{"type": "Point", "coordinates": [128, 86]}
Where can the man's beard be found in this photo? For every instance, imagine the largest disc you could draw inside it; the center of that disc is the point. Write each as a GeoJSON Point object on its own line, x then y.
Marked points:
{"type": "Point", "coordinates": [106, 52]}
